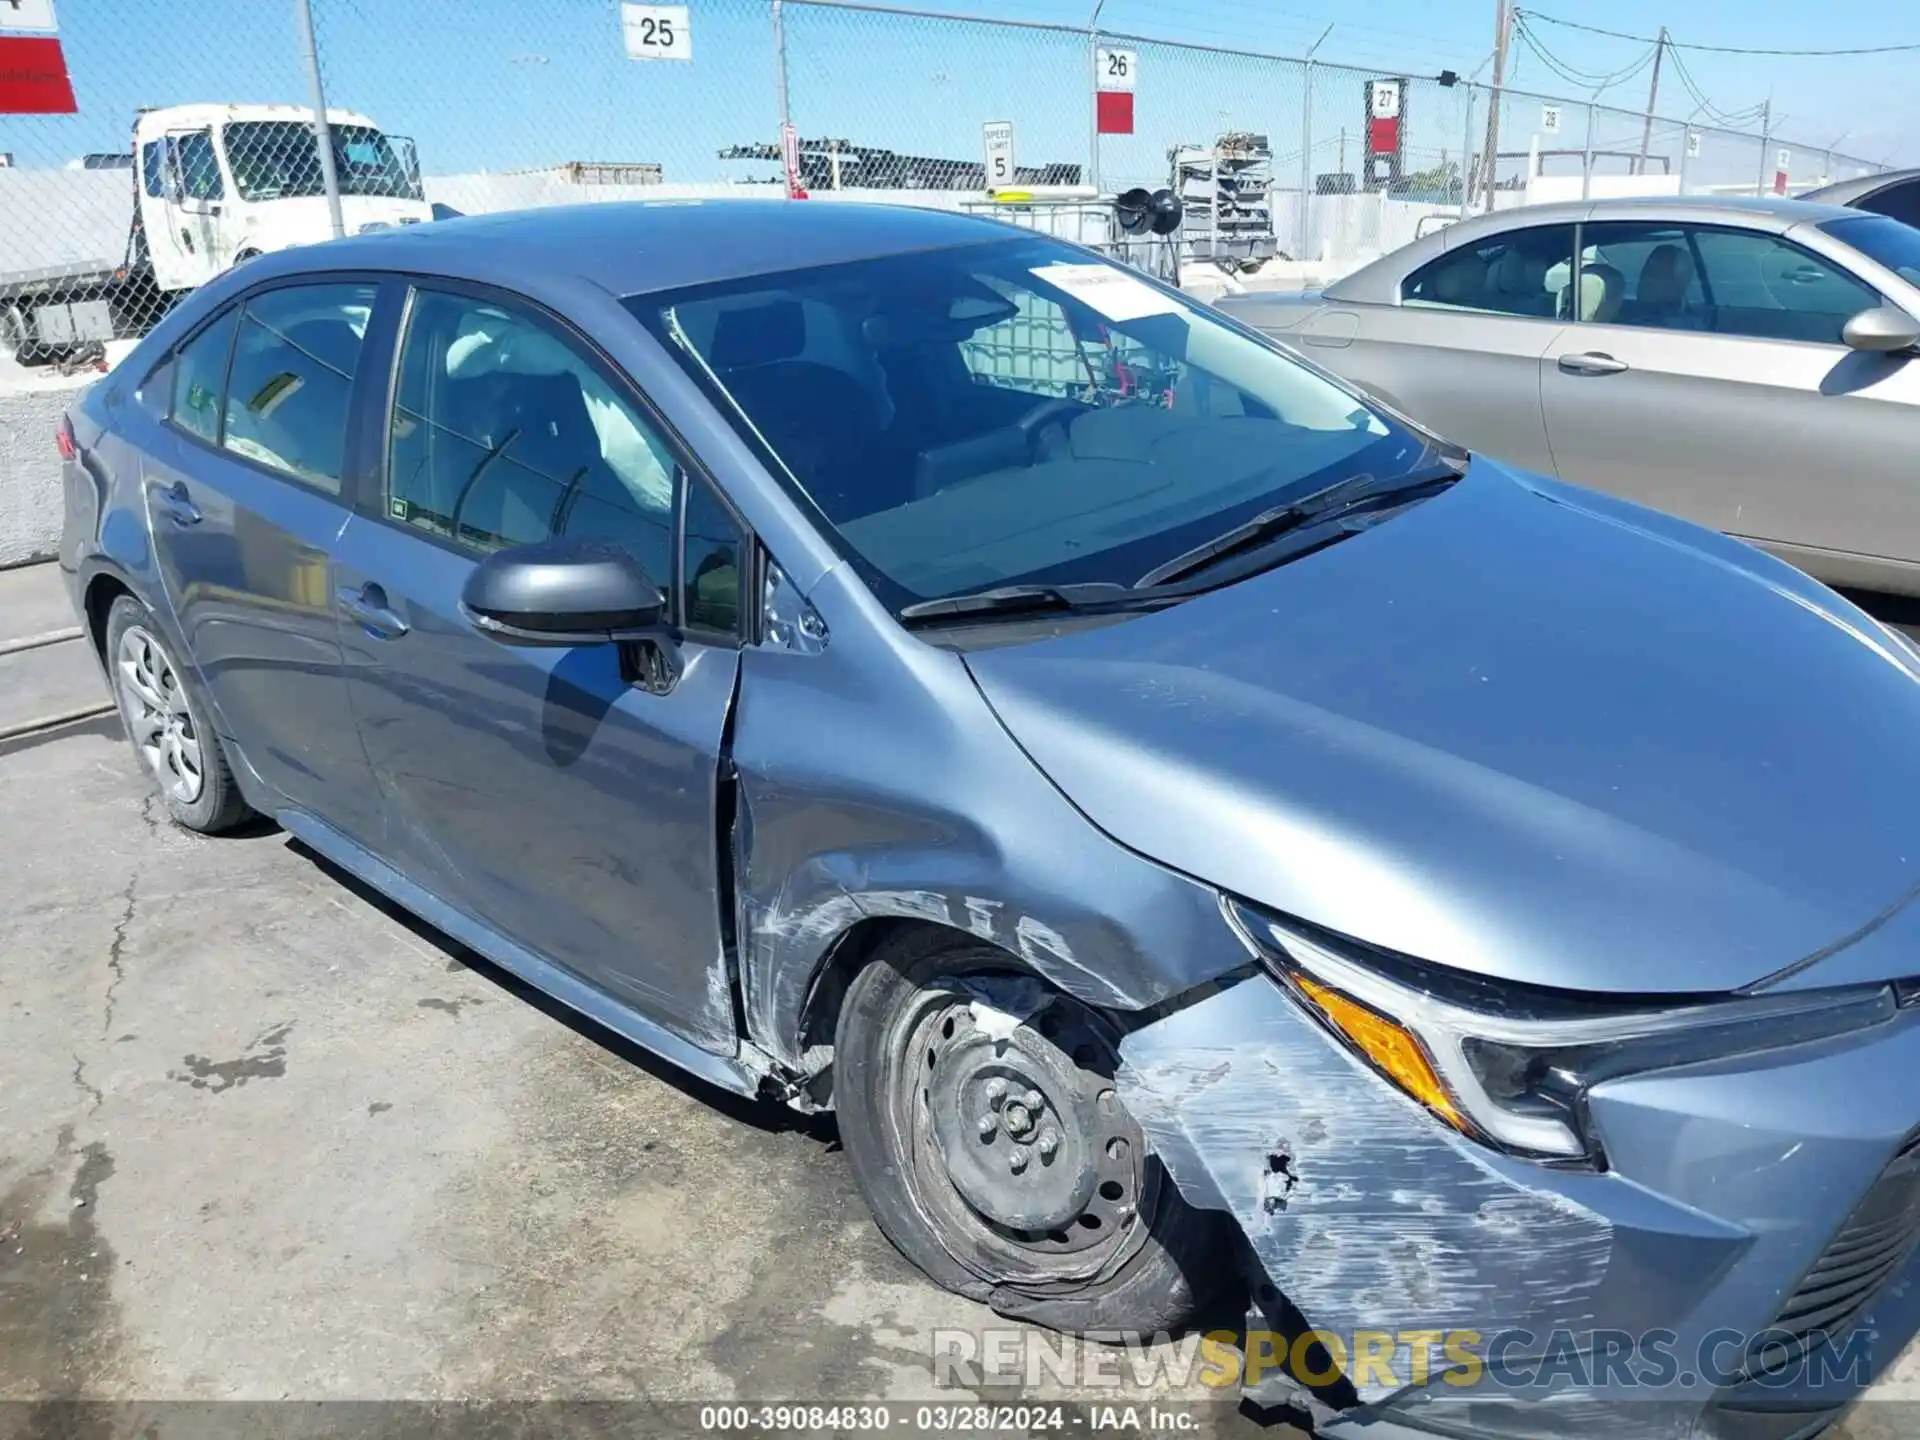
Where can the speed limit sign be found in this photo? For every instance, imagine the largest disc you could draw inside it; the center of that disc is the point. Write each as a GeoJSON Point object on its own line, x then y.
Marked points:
{"type": "Point", "coordinates": [998, 135]}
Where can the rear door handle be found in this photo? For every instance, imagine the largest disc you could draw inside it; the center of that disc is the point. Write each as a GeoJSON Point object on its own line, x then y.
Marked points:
{"type": "Point", "coordinates": [368, 605]}
{"type": "Point", "coordinates": [1592, 363]}
{"type": "Point", "coordinates": [173, 502]}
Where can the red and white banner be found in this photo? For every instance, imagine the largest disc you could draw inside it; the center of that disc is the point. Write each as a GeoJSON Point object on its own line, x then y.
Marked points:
{"type": "Point", "coordinates": [790, 161]}
{"type": "Point", "coordinates": [33, 68]}
{"type": "Point", "coordinates": [1114, 75]}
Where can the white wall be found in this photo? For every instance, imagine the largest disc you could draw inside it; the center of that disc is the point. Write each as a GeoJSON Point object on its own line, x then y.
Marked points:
{"type": "Point", "coordinates": [30, 489]}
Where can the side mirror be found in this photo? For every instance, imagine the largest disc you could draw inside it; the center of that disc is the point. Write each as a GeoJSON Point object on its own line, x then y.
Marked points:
{"type": "Point", "coordinates": [1884, 328]}
{"type": "Point", "coordinates": [563, 592]}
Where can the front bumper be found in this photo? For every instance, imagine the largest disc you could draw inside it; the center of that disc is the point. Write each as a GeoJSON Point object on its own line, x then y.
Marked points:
{"type": "Point", "coordinates": [1568, 1302]}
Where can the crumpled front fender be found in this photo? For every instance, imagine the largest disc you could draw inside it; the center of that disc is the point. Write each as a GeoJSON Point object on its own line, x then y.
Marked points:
{"type": "Point", "coordinates": [1361, 1209]}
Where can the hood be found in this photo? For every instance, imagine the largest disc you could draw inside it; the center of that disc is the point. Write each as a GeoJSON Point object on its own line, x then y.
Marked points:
{"type": "Point", "coordinates": [1517, 730]}
{"type": "Point", "coordinates": [304, 219]}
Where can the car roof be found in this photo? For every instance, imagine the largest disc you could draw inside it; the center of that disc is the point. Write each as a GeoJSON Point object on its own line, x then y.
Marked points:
{"type": "Point", "coordinates": [1380, 282]}
{"type": "Point", "coordinates": [1845, 192]}
{"type": "Point", "coordinates": [647, 246]}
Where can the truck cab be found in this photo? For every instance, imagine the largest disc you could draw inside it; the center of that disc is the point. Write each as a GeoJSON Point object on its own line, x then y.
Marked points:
{"type": "Point", "coordinates": [218, 184]}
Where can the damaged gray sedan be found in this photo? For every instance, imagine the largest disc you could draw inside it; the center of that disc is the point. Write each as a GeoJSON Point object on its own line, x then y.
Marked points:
{"type": "Point", "coordinates": [1204, 836]}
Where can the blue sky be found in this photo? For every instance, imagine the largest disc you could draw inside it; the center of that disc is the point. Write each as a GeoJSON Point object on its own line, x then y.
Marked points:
{"type": "Point", "coordinates": [506, 84]}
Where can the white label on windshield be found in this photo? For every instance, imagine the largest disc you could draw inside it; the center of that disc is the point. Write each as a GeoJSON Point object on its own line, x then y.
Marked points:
{"type": "Point", "coordinates": [1108, 291]}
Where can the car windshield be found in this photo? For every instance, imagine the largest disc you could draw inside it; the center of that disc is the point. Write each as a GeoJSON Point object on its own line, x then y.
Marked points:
{"type": "Point", "coordinates": [1016, 412]}
{"type": "Point", "coordinates": [1892, 244]}
{"type": "Point", "coordinates": [278, 159]}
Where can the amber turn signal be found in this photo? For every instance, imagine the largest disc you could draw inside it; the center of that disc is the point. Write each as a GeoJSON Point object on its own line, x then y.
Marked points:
{"type": "Point", "coordinates": [1394, 1051]}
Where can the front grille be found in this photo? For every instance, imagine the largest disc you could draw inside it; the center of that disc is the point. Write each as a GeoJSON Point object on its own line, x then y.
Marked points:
{"type": "Point", "coordinates": [1867, 1252]}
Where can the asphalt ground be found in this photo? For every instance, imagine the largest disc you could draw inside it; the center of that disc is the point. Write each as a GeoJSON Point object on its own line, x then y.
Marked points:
{"type": "Point", "coordinates": [264, 1138]}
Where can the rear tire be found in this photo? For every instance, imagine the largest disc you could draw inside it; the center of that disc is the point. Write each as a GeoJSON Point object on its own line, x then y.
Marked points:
{"type": "Point", "coordinates": [166, 720]}
{"type": "Point", "coordinates": [978, 1112]}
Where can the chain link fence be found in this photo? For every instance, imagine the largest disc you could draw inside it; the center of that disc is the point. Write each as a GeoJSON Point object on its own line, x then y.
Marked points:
{"type": "Point", "coordinates": [194, 143]}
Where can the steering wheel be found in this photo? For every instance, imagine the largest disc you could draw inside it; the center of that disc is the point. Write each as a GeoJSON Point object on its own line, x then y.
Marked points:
{"type": "Point", "coordinates": [1054, 410]}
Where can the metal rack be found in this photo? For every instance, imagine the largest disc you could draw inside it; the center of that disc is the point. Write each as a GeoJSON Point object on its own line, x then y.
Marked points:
{"type": "Point", "coordinates": [1086, 220]}
{"type": "Point", "coordinates": [1226, 190]}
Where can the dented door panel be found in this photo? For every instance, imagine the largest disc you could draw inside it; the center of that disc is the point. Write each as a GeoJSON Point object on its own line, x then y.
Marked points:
{"type": "Point", "coordinates": [925, 809]}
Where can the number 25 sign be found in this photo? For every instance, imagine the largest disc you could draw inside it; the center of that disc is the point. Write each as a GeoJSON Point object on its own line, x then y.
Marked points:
{"type": "Point", "coordinates": [657, 32]}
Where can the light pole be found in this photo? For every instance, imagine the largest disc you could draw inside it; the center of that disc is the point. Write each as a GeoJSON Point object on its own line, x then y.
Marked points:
{"type": "Point", "coordinates": [1305, 240]}
{"type": "Point", "coordinates": [322, 131]}
{"type": "Point", "coordinates": [1093, 96]}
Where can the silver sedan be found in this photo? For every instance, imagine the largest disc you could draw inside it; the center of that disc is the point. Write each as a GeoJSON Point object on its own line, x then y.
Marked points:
{"type": "Point", "coordinates": [1751, 364]}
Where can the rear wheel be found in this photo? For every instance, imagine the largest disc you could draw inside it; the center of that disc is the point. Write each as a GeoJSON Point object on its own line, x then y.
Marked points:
{"type": "Point", "coordinates": [978, 1109]}
{"type": "Point", "coordinates": [167, 723]}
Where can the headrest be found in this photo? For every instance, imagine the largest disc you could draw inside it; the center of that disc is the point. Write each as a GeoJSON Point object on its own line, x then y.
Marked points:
{"type": "Point", "coordinates": [1521, 272]}
{"type": "Point", "coordinates": [492, 344]}
{"type": "Point", "coordinates": [1666, 277]}
{"type": "Point", "coordinates": [1459, 281]}
{"type": "Point", "coordinates": [758, 335]}
{"type": "Point", "coordinates": [1601, 290]}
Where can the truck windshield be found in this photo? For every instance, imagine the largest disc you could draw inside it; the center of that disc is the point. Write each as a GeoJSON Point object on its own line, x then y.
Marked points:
{"type": "Point", "coordinates": [278, 159]}
{"type": "Point", "coordinates": [1015, 412]}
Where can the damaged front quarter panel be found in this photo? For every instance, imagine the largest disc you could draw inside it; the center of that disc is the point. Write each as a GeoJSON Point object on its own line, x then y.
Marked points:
{"type": "Point", "coordinates": [1364, 1212]}
{"type": "Point", "coordinates": [924, 809]}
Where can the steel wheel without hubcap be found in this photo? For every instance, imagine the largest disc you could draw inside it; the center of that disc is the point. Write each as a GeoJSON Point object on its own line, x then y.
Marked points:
{"type": "Point", "coordinates": [158, 717]}
{"type": "Point", "coordinates": [1019, 1144]}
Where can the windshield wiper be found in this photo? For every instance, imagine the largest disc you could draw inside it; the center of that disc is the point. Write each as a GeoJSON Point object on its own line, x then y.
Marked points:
{"type": "Point", "coordinates": [1356, 492]}
{"type": "Point", "coordinates": [1091, 597]}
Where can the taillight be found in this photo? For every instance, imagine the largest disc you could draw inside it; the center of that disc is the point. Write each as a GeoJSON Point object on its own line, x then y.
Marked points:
{"type": "Point", "coordinates": [63, 437]}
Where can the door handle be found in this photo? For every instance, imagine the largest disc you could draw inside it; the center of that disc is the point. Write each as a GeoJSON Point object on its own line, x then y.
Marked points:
{"type": "Point", "coordinates": [1592, 363]}
{"type": "Point", "coordinates": [368, 605]}
{"type": "Point", "coordinates": [173, 502]}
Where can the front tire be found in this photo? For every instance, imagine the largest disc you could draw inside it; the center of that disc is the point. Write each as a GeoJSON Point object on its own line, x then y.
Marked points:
{"type": "Point", "coordinates": [978, 1111]}
{"type": "Point", "coordinates": [167, 723]}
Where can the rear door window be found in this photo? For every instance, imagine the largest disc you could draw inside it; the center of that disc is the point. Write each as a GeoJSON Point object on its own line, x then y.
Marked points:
{"type": "Point", "coordinates": [199, 378]}
{"type": "Point", "coordinates": [292, 380]}
{"type": "Point", "coordinates": [1522, 272]}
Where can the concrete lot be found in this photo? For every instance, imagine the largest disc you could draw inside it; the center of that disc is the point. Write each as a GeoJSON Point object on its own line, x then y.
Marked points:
{"type": "Point", "coordinates": [262, 1137]}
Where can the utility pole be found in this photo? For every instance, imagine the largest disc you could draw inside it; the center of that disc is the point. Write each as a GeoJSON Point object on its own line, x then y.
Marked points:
{"type": "Point", "coordinates": [322, 131]}
{"type": "Point", "coordinates": [1653, 99]}
{"type": "Point", "coordinates": [1502, 26]}
{"type": "Point", "coordinates": [1093, 97]}
{"type": "Point", "coordinates": [1766, 143]}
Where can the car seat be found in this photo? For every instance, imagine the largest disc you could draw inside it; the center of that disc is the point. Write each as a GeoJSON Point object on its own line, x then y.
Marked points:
{"type": "Point", "coordinates": [819, 420]}
{"type": "Point", "coordinates": [1661, 296]}
{"type": "Point", "coordinates": [1602, 291]}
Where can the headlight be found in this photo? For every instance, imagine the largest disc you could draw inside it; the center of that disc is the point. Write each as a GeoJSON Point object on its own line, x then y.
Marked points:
{"type": "Point", "coordinates": [1510, 1065]}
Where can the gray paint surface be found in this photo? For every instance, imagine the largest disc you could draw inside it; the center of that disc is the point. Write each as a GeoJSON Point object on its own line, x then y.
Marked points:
{"type": "Point", "coordinates": [1520, 730]}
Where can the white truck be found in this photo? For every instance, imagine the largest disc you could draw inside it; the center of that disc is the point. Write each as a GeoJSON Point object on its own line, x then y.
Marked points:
{"type": "Point", "coordinates": [84, 257]}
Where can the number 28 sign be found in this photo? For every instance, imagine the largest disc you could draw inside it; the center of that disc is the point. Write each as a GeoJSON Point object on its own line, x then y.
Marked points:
{"type": "Point", "coordinates": [654, 32]}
